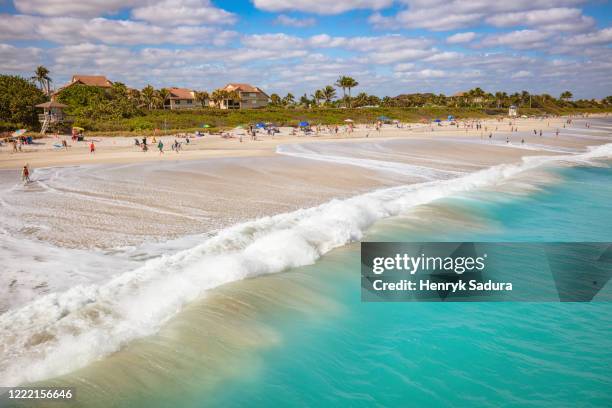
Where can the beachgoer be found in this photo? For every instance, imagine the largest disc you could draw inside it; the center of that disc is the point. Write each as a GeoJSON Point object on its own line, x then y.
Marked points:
{"type": "Point", "coordinates": [92, 148]}
{"type": "Point", "coordinates": [160, 146]}
{"type": "Point", "coordinates": [25, 174]}
{"type": "Point", "coordinates": [65, 144]}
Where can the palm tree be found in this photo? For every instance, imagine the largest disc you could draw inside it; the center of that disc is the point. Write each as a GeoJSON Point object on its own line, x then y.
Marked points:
{"type": "Point", "coordinates": [341, 83]}
{"type": "Point", "coordinates": [289, 99]}
{"type": "Point", "coordinates": [218, 96]}
{"type": "Point", "coordinates": [147, 95]}
{"type": "Point", "coordinates": [231, 96]}
{"type": "Point", "coordinates": [350, 83]}
{"type": "Point", "coordinates": [275, 100]}
{"type": "Point", "coordinates": [317, 97]}
{"type": "Point", "coordinates": [164, 95]}
{"type": "Point", "coordinates": [202, 97]}
{"type": "Point", "coordinates": [329, 93]}
{"type": "Point", "coordinates": [362, 99]}
{"type": "Point", "coordinates": [565, 96]}
{"type": "Point", "coordinates": [41, 75]}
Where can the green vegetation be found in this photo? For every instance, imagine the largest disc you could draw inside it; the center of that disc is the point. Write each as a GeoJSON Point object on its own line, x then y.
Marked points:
{"type": "Point", "coordinates": [17, 99]}
{"type": "Point", "coordinates": [121, 110]}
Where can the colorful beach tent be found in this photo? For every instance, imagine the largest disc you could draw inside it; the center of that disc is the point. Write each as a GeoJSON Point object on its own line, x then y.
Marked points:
{"type": "Point", "coordinates": [19, 132]}
{"type": "Point", "coordinates": [451, 117]}
{"type": "Point", "coordinates": [304, 124]}
{"type": "Point", "coordinates": [260, 125]}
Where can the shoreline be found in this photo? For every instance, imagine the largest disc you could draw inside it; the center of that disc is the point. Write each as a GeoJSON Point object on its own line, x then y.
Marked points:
{"type": "Point", "coordinates": [118, 149]}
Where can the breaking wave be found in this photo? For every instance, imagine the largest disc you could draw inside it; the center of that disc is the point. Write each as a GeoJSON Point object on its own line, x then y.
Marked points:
{"type": "Point", "coordinates": [61, 332]}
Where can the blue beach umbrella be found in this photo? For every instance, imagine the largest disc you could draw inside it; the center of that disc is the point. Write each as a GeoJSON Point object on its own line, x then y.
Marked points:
{"type": "Point", "coordinates": [451, 117]}
{"type": "Point", "coordinates": [437, 121]}
{"type": "Point", "coordinates": [260, 125]}
{"type": "Point", "coordinates": [383, 118]}
{"type": "Point", "coordinates": [304, 124]}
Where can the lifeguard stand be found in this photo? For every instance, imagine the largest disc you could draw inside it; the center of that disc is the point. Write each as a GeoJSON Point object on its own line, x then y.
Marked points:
{"type": "Point", "coordinates": [512, 111]}
{"type": "Point", "coordinates": [53, 115]}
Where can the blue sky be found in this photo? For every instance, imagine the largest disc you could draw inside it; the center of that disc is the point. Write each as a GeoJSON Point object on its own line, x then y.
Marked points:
{"type": "Point", "coordinates": [389, 46]}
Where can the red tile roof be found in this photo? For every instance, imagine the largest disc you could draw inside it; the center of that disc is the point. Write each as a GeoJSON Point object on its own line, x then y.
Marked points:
{"type": "Point", "coordinates": [92, 80]}
{"type": "Point", "coordinates": [181, 93]}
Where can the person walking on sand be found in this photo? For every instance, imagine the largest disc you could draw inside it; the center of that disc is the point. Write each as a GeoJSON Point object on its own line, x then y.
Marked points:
{"type": "Point", "coordinates": [160, 146]}
{"type": "Point", "coordinates": [25, 174]}
{"type": "Point", "coordinates": [92, 148]}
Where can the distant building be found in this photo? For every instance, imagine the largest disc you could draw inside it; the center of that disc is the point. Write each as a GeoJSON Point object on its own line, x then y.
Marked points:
{"type": "Point", "coordinates": [464, 96]}
{"type": "Point", "coordinates": [99, 81]}
{"type": "Point", "coordinates": [91, 80]}
{"type": "Point", "coordinates": [512, 111]}
{"type": "Point", "coordinates": [181, 98]}
{"type": "Point", "coordinates": [248, 97]}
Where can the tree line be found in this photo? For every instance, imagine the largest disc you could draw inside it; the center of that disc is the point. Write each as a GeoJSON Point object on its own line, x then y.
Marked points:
{"type": "Point", "coordinates": [19, 95]}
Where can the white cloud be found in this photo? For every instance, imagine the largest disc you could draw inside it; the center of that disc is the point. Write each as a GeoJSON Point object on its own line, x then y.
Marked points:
{"type": "Point", "coordinates": [295, 22]}
{"type": "Point", "coordinates": [17, 59]}
{"type": "Point", "coordinates": [83, 8]}
{"type": "Point", "coordinates": [601, 37]}
{"type": "Point", "coordinates": [521, 39]}
{"type": "Point", "coordinates": [438, 15]}
{"type": "Point", "coordinates": [460, 38]}
{"type": "Point", "coordinates": [321, 6]}
{"type": "Point", "coordinates": [559, 19]}
{"type": "Point", "coordinates": [521, 74]}
{"type": "Point", "coordinates": [69, 30]}
{"type": "Point", "coordinates": [183, 12]}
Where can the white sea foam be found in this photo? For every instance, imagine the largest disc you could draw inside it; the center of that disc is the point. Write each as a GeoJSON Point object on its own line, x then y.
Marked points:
{"type": "Point", "coordinates": [306, 151]}
{"type": "Point", "coordinates": [60, 332]}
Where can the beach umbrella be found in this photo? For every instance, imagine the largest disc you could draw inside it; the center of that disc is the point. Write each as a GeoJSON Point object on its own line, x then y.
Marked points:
{"type": "Point", "coordinates": [349, 120]}
{"type": "Point", "coordinates": [205, 126]}
{"type": "Point", "coordinates": [77, 128]}
{"type": "Point", "coordinates": [451, 117]}
{"type": "Point", "coordinates": [19, 132]}
{"type": "Point", "coordinates": [304, 124]}
{"type": "Point", "coordinates": [383, 118]}
{"type": "Point", "coordinates": [260, 125]}
{"type": "Point", "coordinates": [396, 121]}
{"type": "Point", "coordinates": [437, 121]}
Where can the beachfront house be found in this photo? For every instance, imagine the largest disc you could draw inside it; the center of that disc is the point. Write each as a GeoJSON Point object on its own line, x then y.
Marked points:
{"type": "Point", "coordinates": [249, 97]}
{"type": "Point", "coordinates": [182, 98]}
{"type": "Point", "coordinates": [512, 111]}
{"type": "Point", "coordinates": [99, 81]}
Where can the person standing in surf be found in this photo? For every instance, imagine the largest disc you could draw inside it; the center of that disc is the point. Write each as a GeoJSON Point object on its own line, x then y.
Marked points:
{"type": "Point", "coordinates": [25, 174]}
{"type": "Point", "coordinates": [160, 146]}
{"type": "Point", "coordinates": [92, 148]}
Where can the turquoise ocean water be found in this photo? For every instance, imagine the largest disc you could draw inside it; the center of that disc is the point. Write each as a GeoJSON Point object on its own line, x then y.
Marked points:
{"type": "Point", "coordinates": [304, 338]}
{"type": "Point", "coordinates": [453, 354]}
